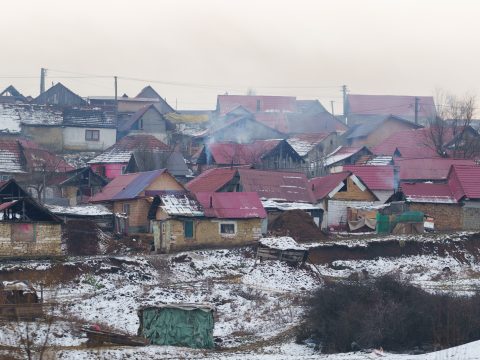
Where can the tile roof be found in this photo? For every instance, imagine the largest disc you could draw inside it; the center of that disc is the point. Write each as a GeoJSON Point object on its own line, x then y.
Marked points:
{"type": "Point", "coordinates": [127, 186]}
{"type": "Point", "coordinates": [375, 177]}
{"type": "Point", "coordinates": [427, 169]}
{"type": "Point", "coordinates": [226, 103]}
{"type": "Point", "coordinates": [304, 143]}
{"type": "Point", "coordinates": [211, 180]}
{"type": "Point", "coordinates": [278, 185]}
{"type": "Point", "coordinates": [403, 106]}
{"type": "Point", "coordinates": [231, 205]}
{"type": "Point", "coordinates": [121, 151]}
{"type": "Point", "coordinates": [464, 181]}
{"type": "Point", "coordinates": [428, 193]}
{"type": "Point", "coordinates": [88, 118]}
{"type": "Point", "coordinates": [322, 186]}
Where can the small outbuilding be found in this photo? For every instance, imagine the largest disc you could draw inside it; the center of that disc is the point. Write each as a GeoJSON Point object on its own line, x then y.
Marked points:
{"type": "Point", "coordinates": [189, 325]}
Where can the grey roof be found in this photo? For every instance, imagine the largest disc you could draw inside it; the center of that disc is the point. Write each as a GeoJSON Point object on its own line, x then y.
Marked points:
{"type": "Point", "coordinates": [88, 118]}
{"type": "Point", "coordinates": [174, 162]}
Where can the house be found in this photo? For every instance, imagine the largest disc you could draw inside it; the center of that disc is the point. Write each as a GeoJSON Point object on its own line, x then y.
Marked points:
{"type": "Point", "coordinates": [147, 120]}
{"type": "Point", "coordinates": [88, 130]}
{"type": "Point", "coordinates": [99, 214]}
{"type": "Point", "coordinates": [179, 324]}
{"type": "Point", "coordinates": [188, 124]}
{"type": "Point", "coordinates": [337, 193]}
{"type": "Point", "coordinates": [344, 155]}
{"type": "Point", "coordinates": [27, 229]}
{"type": "Point", "coordinates": [238, 126]}
{"type": "Point", "coordinates": [364, 108]}
{"type": "Point", "coordinates": [375, 131]}
{"type": "Point", "coordinates": [173, 161]}
{"type": "Point", "coordinates": [278, 190]}
{"type": "Point", "coordinates": [262, 154]}
{"type": "Point", "coordinates": [427, 169]}
{"type": "Point", "coordinates": [381, 180]}
{"type": "Point", "coordinates": [12, 96]}
{"type": "Point", "coordinates": [431, 142]}
{"type": "Point", "coordinates": [74, 186]}
{"type": "Point", "coordinates": [313, 148]}
{"type": "Point", "coordinates": [60, 96]}
{"type": "Point", "coordinates": [114, 160]}
{"type": "Point", "coordinates": [126, 196]}
{"type": "Point", "coordinates": [181, 221]}
{"type": "Point", "coordinates": [454, 205]}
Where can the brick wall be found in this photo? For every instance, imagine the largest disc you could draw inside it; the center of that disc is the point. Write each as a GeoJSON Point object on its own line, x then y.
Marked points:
{"type": "Point", "coordinates": [447, 216]}
{"type": "Point", "coordinates": [47, 241]}
{"type": "Point", "coordinates": [471, 218]}
{"type": "Point", "coordinates": [137, 218]}
{"type": "Point", "coordinates": [206, 233]}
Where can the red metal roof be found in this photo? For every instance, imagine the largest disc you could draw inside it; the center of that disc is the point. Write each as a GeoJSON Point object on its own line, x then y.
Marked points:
{"type": "Point", "coordinates": [427, 169]}
{"type": "Point", "coordinates": [464, 181]}
{"type": "Point", "coordinates": [375, 177]}
{"type": "Point", "coordinates": [231, 205]}
{"type": "Point", "coordinates": [428, 193]}
{"type": "Point", "coordinates": [322, 186]}
{"type": "Point", "coordinates": [274, 120]}
{"type": "Point", "coordinates": [410, 144]}
{"type": "Point", "coordinates": [211, 180]}
{"type": "Point", "coordinates": [241, 154]}
{"type": "Point", "coordinates": [284, 186]}
{"type": "Point", "coordinates": [390, 105]}
{"type": "Point", "coordinates": [226, 103]}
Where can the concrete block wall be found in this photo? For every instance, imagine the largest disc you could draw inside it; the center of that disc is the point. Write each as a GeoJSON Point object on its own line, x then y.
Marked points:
{"type": "Point", "coordinates": [47, 241]}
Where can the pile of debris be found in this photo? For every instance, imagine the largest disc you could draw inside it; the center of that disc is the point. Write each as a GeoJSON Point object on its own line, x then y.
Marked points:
{"type": "Point", "coordinates": [297, 224]}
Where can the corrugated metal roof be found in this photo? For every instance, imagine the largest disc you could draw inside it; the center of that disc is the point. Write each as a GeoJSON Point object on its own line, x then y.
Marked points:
{"type": "Point", "coordinates": [177, 203]}
{"type": "Point", "coordinates": [231, 205]}
{"type": "Point", "coordinates": [127, 186]}
{"type": "Point", "coordinates": [464, 181]}
{"type": "Point", "coordinates": [241, 154]}
{"type": "Point", "coordinates": [428, 193]}
{"type": "Point", "coordinates": [322, 186]}
{"type": "Point", "coordinates": [211, 180]}
{"type": "Point", "coordinates": [284, 186]}
{"type": "Point", "coordinates": [427, 169]}
{"type": "Point", "coordinates": [226, 103]}
{"type": "Point", "coordinates": [88, 118]}
{"type": "Point", "coordinates": [304, 143]}
{"type": "Point", "coordinates": [375, 177]}
{"type": "Point", "coordinates": [342, 153]}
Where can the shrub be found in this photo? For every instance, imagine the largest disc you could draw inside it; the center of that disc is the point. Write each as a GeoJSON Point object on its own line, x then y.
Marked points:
{"type": "Point", "coordinates": [389, 313]}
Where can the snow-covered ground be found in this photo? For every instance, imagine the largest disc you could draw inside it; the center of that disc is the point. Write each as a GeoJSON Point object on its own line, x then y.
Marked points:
{"type": "Point", "coordinates": [258, 304]}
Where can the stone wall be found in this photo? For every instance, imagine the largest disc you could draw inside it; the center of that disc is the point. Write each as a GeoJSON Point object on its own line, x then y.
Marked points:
{"type": "Point", "coordinates": [46, 240]}
{"type": "Point", "coordinates": [471, 217]}
{"type": "Point", "coordinates": [447, 216]}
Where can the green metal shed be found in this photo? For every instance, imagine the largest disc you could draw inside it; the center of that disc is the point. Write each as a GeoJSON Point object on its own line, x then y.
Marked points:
{"type": "Point", "coordinates": [189, 325]}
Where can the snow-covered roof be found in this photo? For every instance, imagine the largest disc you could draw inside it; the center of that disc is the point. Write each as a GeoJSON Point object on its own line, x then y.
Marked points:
{"type": "Point", "coordinates": [304, 143]}
{"type": "Point", "coordinates": [281, 243]}
{"type": "Point", "coordinates": [81, 210]}
{"type": "Point", "coordinates": [284, 206]}
{"type": "Point", "coordinates": [180, 205]}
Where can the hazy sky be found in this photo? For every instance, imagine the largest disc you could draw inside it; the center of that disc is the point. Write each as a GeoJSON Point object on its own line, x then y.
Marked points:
{"type": "Point", "coordinates": [190, 51]}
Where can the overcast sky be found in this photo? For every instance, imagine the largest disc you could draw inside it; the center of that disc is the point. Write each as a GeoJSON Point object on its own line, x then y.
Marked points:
{"type": "Point", "coordinates": [192, 50]}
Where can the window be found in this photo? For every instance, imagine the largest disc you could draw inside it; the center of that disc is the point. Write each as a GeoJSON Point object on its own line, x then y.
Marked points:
{"type": "Point", "coordinates": [126, 209]}
{"type": "Point", "coordinates": [92, 135]}
{"type": "Point", "coordinates": [188, 228]}
{"type": "Point", "coordinates": [227, 228]}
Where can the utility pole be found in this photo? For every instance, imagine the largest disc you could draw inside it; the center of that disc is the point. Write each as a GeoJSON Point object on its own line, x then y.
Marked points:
{"type": "Point", "coordinates": [43, 74]}
{"type": "Point", "coordinates": [416, 109]}
{"type": "Point", "coordinates": [116, 101]}
{"type": "Point", "coordinates": [345, 106]}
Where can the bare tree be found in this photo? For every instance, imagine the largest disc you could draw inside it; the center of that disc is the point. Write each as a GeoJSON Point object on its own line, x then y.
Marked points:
{"type": "Point", "coordinates": [449, 133]}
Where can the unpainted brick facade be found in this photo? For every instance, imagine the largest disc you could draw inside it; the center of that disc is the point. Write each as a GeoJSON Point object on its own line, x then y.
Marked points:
{"type": "Point", "coordinates": [41, 239]}
{"type": "Point", "coordinates": [447, 216]}
{"type": "Point", "coordinates": [170, 234]}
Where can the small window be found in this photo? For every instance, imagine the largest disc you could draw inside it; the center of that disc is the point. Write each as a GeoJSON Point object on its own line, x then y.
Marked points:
{"type": "Point", "coordinates": [92, 135]}
{"type": "Point", "coordinates": [126, 209]}
{"type": "Point", "coordinates": [344, 187]}
{"type": "Point", "coordinates": [188, 229]}
{"type": "Point", "coordinates": [228, 228]}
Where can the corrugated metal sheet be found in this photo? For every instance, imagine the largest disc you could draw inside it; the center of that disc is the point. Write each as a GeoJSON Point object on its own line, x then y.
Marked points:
{"type": "Point", "coordinates": [231, 205]}
{"type": "Point", "coordinates": [428, 193]}
{"type": "Point", "coordinates": [285, 186]}
{"type": "Point", "coordinates": [211, 180]}
{"type": "Point", "coordinates": [427, 169]}
{"type": "Point", "coordinates": [113, 188]}
{"type": "Point", "coordinates": [375, 177]}
{"type": "Point", "coordinates": [241, 154]}
{"type": "Point", "coordinates": [226, 103]}
{"type": "Point", "coordinates": [138, 184]}
{"type": "Point", "coordinates": [322, 186]}
{"type": "Point", "coordinates": [464, 181]}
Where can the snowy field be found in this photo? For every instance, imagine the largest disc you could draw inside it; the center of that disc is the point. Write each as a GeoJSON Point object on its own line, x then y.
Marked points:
{"type": "Point", "coordinates": [259, 305]}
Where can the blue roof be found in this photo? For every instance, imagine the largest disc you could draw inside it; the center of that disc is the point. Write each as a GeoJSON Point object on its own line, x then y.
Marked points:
{"type": "Point", "coordinates": [138, 184]}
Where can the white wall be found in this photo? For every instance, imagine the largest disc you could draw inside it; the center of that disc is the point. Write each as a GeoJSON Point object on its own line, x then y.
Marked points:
{"type": "Point", "coordinates": [74, 139]}
{"type": "Point", "coordinates": [337, 210]}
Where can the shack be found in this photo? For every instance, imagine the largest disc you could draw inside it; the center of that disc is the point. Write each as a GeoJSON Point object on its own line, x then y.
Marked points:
{"type": "Point", "coordinates": [182, 324]}
{"type": "Point", "coordinates": [281, 248]}
{"type": "Point", "coordinates": [19, 300]}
